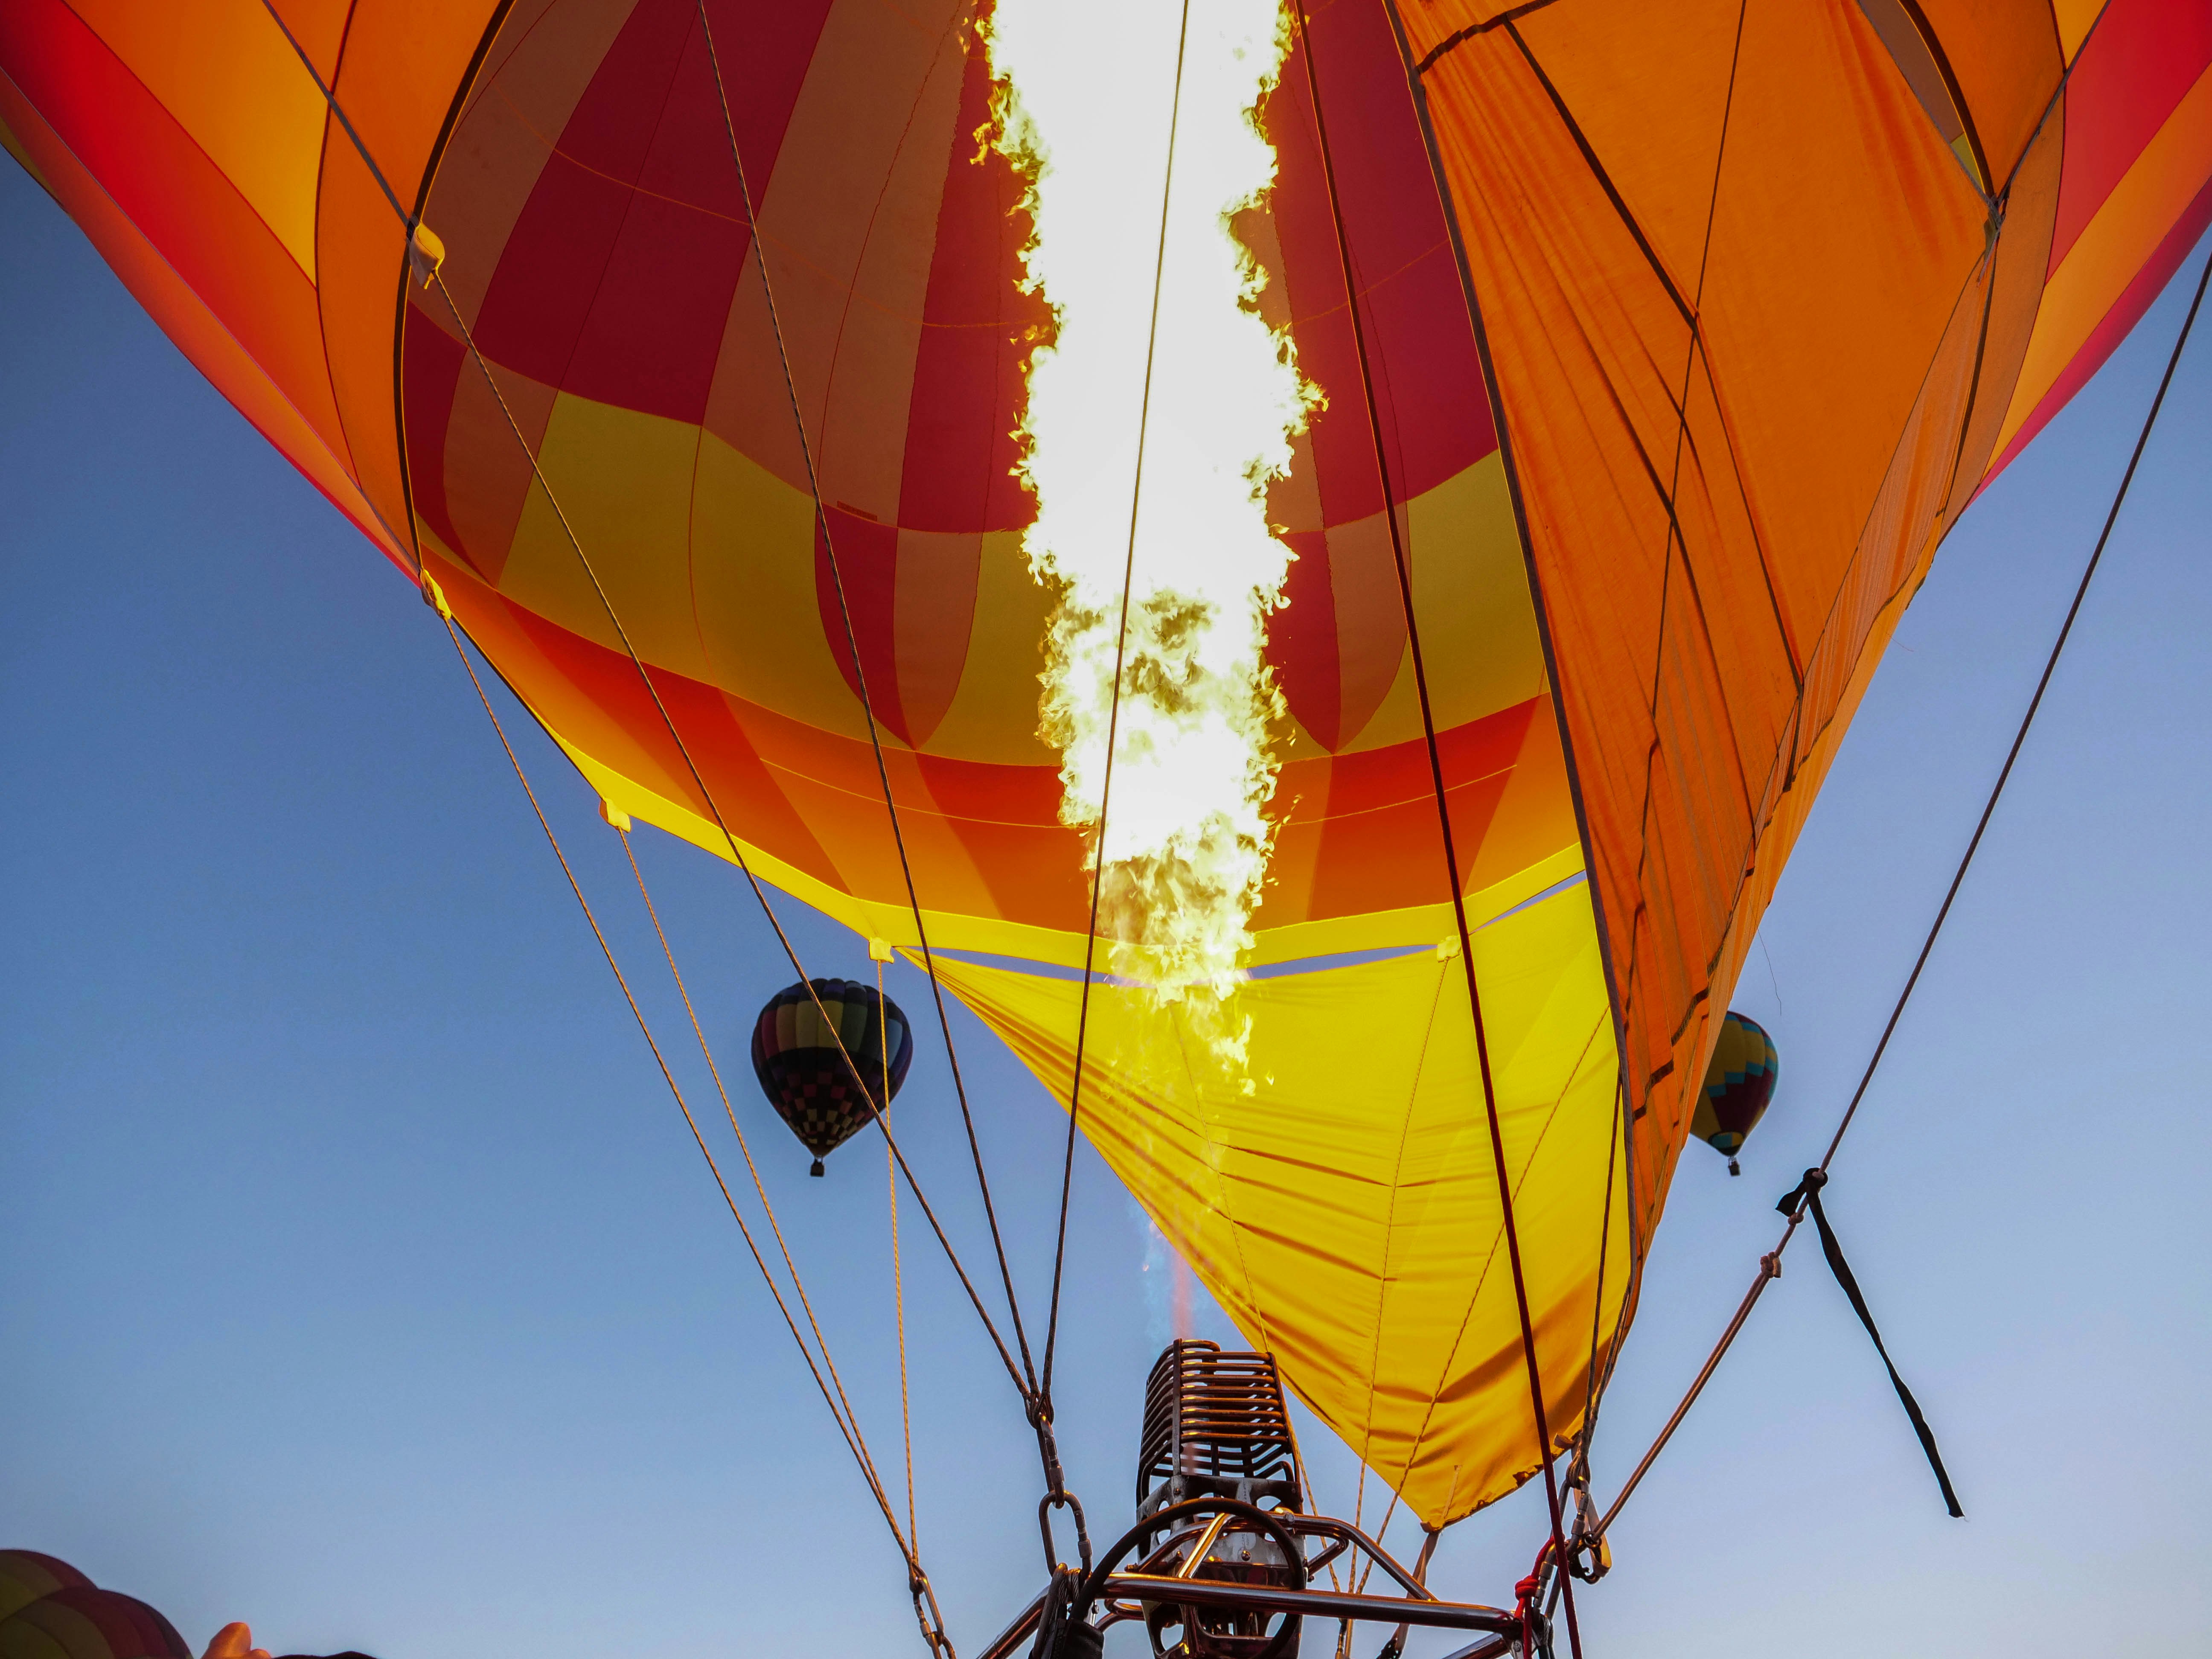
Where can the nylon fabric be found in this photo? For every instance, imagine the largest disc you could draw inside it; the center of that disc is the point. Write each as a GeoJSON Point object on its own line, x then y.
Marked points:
{"type": "Point", "coordinates": [1345, 1207]}
{"type": "Point", "coordinates": [1754, 340]}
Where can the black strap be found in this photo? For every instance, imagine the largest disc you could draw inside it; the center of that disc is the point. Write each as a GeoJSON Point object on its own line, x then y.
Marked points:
{"type": "Point", "coordinates": [1809, 1191]}
{"type": "Point", "coordinates": [1063, 1630]}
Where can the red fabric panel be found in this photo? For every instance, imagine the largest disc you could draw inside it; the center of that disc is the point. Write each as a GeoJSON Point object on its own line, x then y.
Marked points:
{"type": "Point", "coordinates": [867, 563]}
{"type": "Point", "coordinates": [1301, 642]}
{"type": "Point", "coordinates": [1435, 416]}
{"type": "Point", "coordinates": [2127, 311]}
{"type": "Point", "coordinates": [617, 281]}
{"type": "Point", "coordinates": [983, 789]}
{"type": "Point", "coordinates": [1006, 817]}
{"type": "Point", "coordinates": [431, 363]}
{"type": "Point", "coordinates": [2144, 56]}
{"type": "Point", "coordinates": [1382, 810]}
{"type": "Point", "coordinates": [175, 196]}
{"type": "Point", "coordinates": [630, 736]}
{"type": "Point", "coordinates": [1377, 778]}
{"type": "Point", "coordinates": [969, 373]}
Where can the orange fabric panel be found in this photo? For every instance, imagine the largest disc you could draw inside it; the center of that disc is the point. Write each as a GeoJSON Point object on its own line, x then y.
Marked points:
{"type": "Point", "coordinates": [318, 27]}
{"type": "Point", "coordinates": [2097, 291]}
{"type": "Point", "coordinates": [404, 65]}
{"type": "Point", "coordinates": [148, 164]}
{"type": "Point", "coordinates": [225, 72]}
{"type": "Point", "coordinates": [2023, 253]}
{"type": "Point", "coordinates": [1718, 524]}
{"type": "Point", "coordinates": [2075, 19]}
{"type": "Point", "coordinates": [15, 148]}
{"type": "Point", "coordinates": [185, 315]}
{"type": "Point", "coordinates": [2006, 61]}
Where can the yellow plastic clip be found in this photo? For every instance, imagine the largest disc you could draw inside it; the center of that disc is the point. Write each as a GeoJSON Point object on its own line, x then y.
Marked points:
{"type": "Point", "coordinates": [879, 949]}
{"type": "Point", "coordinates": [425, 253]}
{"type": "Point", "coordinates": [435, 596]}
{"type": "Point", "coordinates": [614, 815]}
{"type": "Point", "coordinates": [1448, 948]}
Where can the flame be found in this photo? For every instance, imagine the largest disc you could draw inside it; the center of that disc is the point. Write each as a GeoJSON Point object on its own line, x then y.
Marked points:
{"type": "Point", "coordinates": [1086, 102]}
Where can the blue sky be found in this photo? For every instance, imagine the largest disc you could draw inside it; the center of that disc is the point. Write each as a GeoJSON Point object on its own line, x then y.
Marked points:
{"type": "Point", "coordinates": [358, 1279]}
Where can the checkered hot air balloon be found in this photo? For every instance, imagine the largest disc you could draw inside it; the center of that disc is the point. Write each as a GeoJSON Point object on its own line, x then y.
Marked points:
{"type": "Point", "coordinates": [809, 1078]}
{"type": "Point", "coordinates": [50, 1610]}
{"type": "Point", "coordinates": [1739, 1083]}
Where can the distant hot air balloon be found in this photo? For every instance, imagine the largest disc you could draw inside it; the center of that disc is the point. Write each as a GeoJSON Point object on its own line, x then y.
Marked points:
{"type": "Point", "coordinates": [49, 1610]}
{"type": "Point", "coordinates": [1738, 1085]}
{"type": "Point", "coordinates": [25, 1575]}
{"type": "Point", "coordinates": [805, 1072]}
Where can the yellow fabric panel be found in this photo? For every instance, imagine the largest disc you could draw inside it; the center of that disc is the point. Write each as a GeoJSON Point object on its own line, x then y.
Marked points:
{"type": "Point", "coordinates": [1005, 662]}
{"type": "Point", "coordinates": [1340, 1198]}
{"type": "Point", "coordinates": [623, 481]}
{"type": "Point", "coordinates": [752, 577]}
{"type": "Point", "coordinates": [1471, 594]}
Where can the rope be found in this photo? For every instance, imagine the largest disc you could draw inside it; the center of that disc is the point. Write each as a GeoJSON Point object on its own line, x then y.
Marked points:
{"type": "Point", "coordinates": [1443, 818]}
{"type": "Point", "coordinates": [737, 853]}
{"type": "Point", "coordinates": [898, 1276]}
{"type": "Point", "coordinates": [743, 1146]}
{"type": "Point", "coordinates": [330, 97]}
{"type": "Point", "coordinates": [425, 247]}
{"type": "Point", "coordinates": [1114, 710]}
{"type": "Point", "coordinates": [1597, 1304]}
{"type": "Point", "coordinates": [875, 735]}
{"type": "Point", "coordinates": [849, 1429]}
{"type": "Point", "coordinates": [1769, 1265]}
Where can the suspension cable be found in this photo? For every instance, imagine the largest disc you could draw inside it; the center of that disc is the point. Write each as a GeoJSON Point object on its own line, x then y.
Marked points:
{"type": "Point", "coordinates": [898, 1276]}
{"type": "Point", "coordinates": [1114, 710]}
{"type": "Point", "coordinates": [426, 255]}
{"type": "Point", "coordinates": [847, 1427]}
{"type": "Point", "coordinates": [1443, 818]}
{"type": "Point", "coordinates": [432, 259]}
{"type": "Point", "coordinates": [743, 1146]}
{"type": "Point", "coordinates": [867, 708]}
{"type": "Point", "coordinates": [1597, 1303]}
{"type": "Point", "coordinates": [736, 852]}
{"type": "Point", "coordinates": [1770, 1265]}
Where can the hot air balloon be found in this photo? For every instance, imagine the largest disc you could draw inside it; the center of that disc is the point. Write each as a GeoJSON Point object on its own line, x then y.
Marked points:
{"type": "Point", "coordinates": [1739, 1081]}
{"type": "Point", "coordinates": [49, 1610]}
{"type": "Point", "coordinates": [1623, 368]}
{"type": "Point", "coordinates": [829, 1055]}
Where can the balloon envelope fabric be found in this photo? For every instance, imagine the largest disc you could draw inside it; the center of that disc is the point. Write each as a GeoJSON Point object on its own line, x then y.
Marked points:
{"type": "Point", "coordinates": [808, 1077]}
{"type": "Point", "coordinates": [25, 1575]}
{"type": "Point", "coordinates": [49, 1610]}
{"type": "Point", "coordinates": [1693, 329]}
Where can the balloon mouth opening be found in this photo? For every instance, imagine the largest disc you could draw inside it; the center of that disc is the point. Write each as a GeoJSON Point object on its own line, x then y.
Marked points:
{"type": "Point", "coordinates": [816, 1170]}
